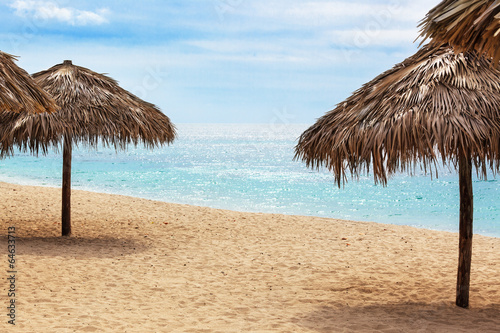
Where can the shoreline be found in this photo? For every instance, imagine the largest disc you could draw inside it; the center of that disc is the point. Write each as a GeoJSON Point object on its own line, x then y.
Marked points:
{"type": "Point", "coordinates": [142, 265]}
{"type": "Point", "coordinates": [100, 191]}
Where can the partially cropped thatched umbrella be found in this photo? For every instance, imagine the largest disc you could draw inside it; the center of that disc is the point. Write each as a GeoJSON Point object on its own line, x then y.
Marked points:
{"type": "Point", "coordinates": [466, 25]}
{"type": "Point", "coordinates": [433, 103]}
{"type": "Point", "coordinates": [18, 91]}
{"type": "Point", "coordinates": [93, 107]}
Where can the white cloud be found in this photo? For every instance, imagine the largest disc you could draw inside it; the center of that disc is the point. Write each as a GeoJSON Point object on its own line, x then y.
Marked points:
{"type": "Point", "coordinates": [269, 15]}
{"type": "Point", "coordinates": [360, 38]}
{"type": "Point", "coordinates": [348, 24]}
{"type": "Point", "coordinates": [329, 13]}
{"type": "Point", "coordinates": [86, 17]}
{"type": "Point", "coordinates": [47, 10]}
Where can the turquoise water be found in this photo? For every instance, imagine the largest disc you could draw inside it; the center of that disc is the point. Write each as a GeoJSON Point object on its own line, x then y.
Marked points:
{"type": "Point", "coordinates": [251, 168]}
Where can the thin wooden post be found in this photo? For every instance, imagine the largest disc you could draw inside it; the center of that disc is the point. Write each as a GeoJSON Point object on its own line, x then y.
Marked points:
{"type": "Point", "coordinates": [466, 218]}
{"type": "Point", "coordinates": [66, 187]}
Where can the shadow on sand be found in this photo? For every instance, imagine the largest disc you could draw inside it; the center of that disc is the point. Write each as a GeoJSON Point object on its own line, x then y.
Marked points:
{"type": "Point", "coordinates": [75, 247]}
{"type": "Point", "coordinates": [408, 317]}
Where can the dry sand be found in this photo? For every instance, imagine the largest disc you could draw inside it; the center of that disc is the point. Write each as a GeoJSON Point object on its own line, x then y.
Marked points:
{"type": "Point", "coordinates": [137, 265]}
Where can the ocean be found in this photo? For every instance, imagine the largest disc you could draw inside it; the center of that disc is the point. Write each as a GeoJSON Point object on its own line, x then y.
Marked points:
{"type": "Point", "coordinates": [250, 167]}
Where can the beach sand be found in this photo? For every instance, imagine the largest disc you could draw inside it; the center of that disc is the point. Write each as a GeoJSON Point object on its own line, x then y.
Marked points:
{"type": "Point", "coordinates": [135, 265]}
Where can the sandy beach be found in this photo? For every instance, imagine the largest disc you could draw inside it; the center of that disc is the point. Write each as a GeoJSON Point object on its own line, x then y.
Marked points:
{"type": "Point", "coordinates": [135, 265]}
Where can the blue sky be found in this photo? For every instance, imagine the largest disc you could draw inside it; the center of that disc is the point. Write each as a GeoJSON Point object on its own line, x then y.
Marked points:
{"type": "Point", "coordinates": [220, 61]}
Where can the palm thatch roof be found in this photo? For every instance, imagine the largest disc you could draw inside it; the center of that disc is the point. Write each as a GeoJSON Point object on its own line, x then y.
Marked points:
{"type": "Point", "coordinates": [18, 91]}
{"type": "Point", "coordinates": [93, 107]}
{"type": "Point", "coordinates": [434, 101]}
{"type": "Point", "coordinates": [466, 25]}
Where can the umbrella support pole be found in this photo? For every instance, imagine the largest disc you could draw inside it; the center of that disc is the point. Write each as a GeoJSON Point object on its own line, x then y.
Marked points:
{"type": "Point", "coordinates": [465, 242]}
{"type": "Point", "coordinates": [66, 188]}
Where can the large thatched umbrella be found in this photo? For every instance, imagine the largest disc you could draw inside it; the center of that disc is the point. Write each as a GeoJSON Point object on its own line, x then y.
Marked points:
{"type": "Point", "coordinates": [466, 25]}
{"type": "Point", "coordinates": [18, 91]}
{"type": "Point", "coordinates": [93, 108]}
{"type": "Point", "coordinates": [434, 105]}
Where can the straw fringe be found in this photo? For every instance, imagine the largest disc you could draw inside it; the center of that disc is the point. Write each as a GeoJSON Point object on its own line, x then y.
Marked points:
{"type": "Point", "coordinates": [433, 103]}
{"type": "Point", "coordinates": [93, 108]}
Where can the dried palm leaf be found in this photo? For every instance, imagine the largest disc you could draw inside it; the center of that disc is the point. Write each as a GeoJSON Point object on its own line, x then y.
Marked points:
{"type": "Point", "coordinates": [18, 91]}
{"type": "Point", "coordinates": [466, 25]}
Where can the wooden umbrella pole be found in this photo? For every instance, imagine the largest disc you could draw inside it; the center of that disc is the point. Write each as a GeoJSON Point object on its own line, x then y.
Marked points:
{"type": "Point", "coordinates": [66, 187]}
{"type": "Point", "coordinates": [465, 243]}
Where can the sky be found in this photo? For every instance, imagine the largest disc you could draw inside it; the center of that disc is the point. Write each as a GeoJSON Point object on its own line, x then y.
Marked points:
{"type": "Point", "coordinates": [220, 61]}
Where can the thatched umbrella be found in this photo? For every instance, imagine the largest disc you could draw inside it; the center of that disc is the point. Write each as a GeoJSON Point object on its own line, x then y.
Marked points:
{"type": "Point", "coordinates": [466, 25]}
{"type": "Point", "coordinates": [18, 91]}
{"type": "Point", "coordinates": [434, 105]}
{"type": "Point", "coordinates": [93, 108]}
